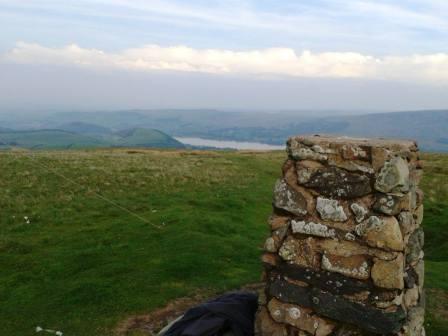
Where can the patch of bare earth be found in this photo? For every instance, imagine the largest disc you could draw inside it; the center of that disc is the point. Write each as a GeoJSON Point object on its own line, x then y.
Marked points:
{"type": "Point", "coordinates": [151, 323]}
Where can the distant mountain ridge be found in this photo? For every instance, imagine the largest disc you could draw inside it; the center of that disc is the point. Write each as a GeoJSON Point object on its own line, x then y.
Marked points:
{"type": "Point", "coordinates": [428, 127]}
{"type": "Point", "coordinates": [63, 139]}
{"type": "Point", "coordinates": [83, 128]}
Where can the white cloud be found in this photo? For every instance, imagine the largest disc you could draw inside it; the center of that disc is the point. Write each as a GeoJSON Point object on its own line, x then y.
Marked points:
{"type": "Point", "coordinates": [432, 68]}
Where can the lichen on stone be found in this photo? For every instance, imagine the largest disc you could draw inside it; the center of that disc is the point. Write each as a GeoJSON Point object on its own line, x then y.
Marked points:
{"type": "Point", "coordinates": [360, 272]}
{"type": "Point", "coordinates": [289, 199]}
{"type": "Point", "coordinates": [311, 228]}
{"type": "Point", "coordinates": [359, 211]}
{"type": "Point", "coordinates": [330, 209]}
{"type": "Point", "coordinates": [394, 176]}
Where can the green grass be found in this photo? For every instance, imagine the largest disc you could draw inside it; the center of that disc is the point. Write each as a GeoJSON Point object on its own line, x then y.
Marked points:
{"type": "Point", "coordinates": [435, 185]}
{"type": "Point", "coordinates": [48, 139]}
{"type": "Point", "coordinates": [82, 265]}
{"type": "Point", "coordinates": [60, 139]}
{"type": "Point", "coordinates": [142, 137]}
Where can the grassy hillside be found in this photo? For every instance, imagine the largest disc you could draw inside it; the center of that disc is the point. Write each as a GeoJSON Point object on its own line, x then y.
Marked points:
{"type": "Point", "coordinates": [47, 139]}
{"type": "Point", "coordinates": [74, 262]}
{"type": "Point", "coordinates": [89, 136]}
{"type": "Point", "coordinates": [142, 137]}
{"type": "Point", "coordinates": [84, 128]}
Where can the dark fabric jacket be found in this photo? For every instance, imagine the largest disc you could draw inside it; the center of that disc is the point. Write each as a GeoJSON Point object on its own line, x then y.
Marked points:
{"type": "Point", "coordinates": [232, 312]}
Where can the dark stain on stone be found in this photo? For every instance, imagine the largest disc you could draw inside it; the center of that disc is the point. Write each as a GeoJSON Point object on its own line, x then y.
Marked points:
{"type": "Point", "coordinates": [339, 183]}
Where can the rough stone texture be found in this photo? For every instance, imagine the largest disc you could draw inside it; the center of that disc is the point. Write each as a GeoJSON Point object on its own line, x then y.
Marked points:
{"type": "Point", "coordinates": [300, 317]}
{"type": "Point", "coordinates": [411, 297]}
{"type": "Point", "coordinates": [338, 183]}
{"type": "Point", "coordinates": [394, 176]}
{"type": "Point", "coordinates": [355, 266]}
{"type": "Point", "coordinates": [328, 281]}
{"type": "Point", "coordinates": [414, 322]}
{"type": "Point", "coordinates": [415, 246]}
{"type": "Point", "coordinates": [407, 223]}
{"type": "Point", "coordinates": [311, 228]}
{"type": "Point", "coordinates": [389, 274]}
{"type": "Point", "coordinates": [418, 215]}
{"type": "Point", "coordinates": [288, 199]}
{"type": "Point", "coordinates": [349, 248]}
{"type": "Point", "coordinates": [359, 211]}
{"type": "Point", "coordinates": [330, 210]}
{"type": "Point", "coordinates": [278, 222]}
{"type": "Point", "coordinates": [301, 252]}
{"type": "Point", "coordinates": [345, 251]}
{"type": "Point", "coordinates": [265, 325]}
{"type": "Point", "coordinates": [387, 204]}
{"type": "Point", "coordinates": [381, 232]}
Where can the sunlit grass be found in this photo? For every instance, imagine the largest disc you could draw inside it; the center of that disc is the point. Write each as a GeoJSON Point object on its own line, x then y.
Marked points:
{"type": "Point", "coordinates": [80, 264]}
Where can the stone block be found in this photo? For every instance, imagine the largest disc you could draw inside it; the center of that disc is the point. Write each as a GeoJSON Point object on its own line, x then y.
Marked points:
{"type": "Point", "coordinates": [266, 326]}
{"type": "Point", "coordinates": [415, 246]}
{"type": "Point", "coordinates": [278, 222]}
{"type": "Point", "coordinates": [300, 317]}
{"type": "Point", "coordinates": [418, 215]}
{"type": "Point", "coordinates": [387, 204]}
{"type": "Point", "coordinates": [414, 322]}
{"type": "Point", "coordinates": [353, 166]}
{"type": "Point", "coordinates": [411, 296]}
{"type": "Point", "coordinates": [330, 209]}
{"type": "Point", "coordinates": [381, 232]}
{"type": "Point", "coordinates": [273, 243]}
{"type": "Point", "coordinates": [302, 252]}
{"type": "Point", "coordinates": [407, 223]}
{"type": "Point", "coordinates": [338, 183]}
{"type": "Point", "coordinates": [270, 259]}
{"type": "Point", "coordinates": [344, 257]}
{"type": "Point", "coordinates": [288, 199]}
{"type": "Point", "coordinates": [388, 274]}
{"type": "Point", "coordinates": [354, 152]}
{"type": "Point", "coordinates": [297, 150]}
{"type": "Point", "coordinates": [356, 266]}
{"type": "Point", "coordinates": [332, 282]}
{"type": "Point", "coordinates": [346, 248]}
{"type": "Point", "coordinates": [311, 228]}
{"type": "Point", "coordinates": [393, 177]}
{"type": "Point", "coordinates": [359, 211]}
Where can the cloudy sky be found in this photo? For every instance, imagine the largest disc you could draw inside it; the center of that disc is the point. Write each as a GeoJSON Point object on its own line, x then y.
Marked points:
{"type": "Point", "coordinates": [271, 54]}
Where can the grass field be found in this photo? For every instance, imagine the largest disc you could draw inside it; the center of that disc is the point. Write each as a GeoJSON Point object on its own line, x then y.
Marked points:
{"type": "Point", "coordinates": [74, 262]}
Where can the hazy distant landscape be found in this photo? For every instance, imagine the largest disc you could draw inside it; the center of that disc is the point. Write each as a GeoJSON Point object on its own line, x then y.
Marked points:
{"type": "Point", "coordinates": [157, 128]}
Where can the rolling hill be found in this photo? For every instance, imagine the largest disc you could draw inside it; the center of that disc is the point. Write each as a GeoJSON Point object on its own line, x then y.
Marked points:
{"type": "Point", "coordinates": [84, 128]}
{"type": "Point", "coordinates": [47, 139]}
{"type": "Point", "coordinates": [62, 139]}
{"type": "Point", "coordinates": [142, 137]}
{"type": "Point", "coordinates": [428, 127]}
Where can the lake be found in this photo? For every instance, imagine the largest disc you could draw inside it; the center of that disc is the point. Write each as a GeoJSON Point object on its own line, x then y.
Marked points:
{"type": "Point", "coordinates": [228, 144]}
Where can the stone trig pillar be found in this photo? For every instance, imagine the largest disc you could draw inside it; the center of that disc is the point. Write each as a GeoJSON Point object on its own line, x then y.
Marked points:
{"type": "Point", "coordinates": [345, 252]}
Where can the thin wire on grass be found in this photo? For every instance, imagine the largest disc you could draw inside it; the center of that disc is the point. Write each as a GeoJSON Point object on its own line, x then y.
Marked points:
{"type": "Point", "coordinates": [47, 168]}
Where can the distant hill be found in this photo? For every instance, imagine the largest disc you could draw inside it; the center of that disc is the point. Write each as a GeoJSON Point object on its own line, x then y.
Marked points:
{"type": "Point", "coordinates": [141, 137]}
{"type": "Point", "coordinates": [61, 139]}
{"type": "Point", "coordinates": [84, 128]}
{"type": "Point", "coordinates": [428, 127]}
{"type": "Point", "coordinates": [47, 139]}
